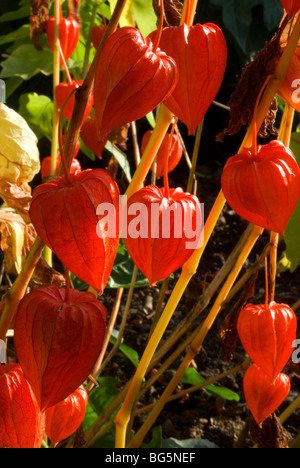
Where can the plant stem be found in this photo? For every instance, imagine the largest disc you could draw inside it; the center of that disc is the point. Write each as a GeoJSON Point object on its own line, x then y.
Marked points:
{"type": "Point", "coordinates": [99, 366]}
{"type": "Point", "coordinates": [55, 121]}
{"type": "Point", "coordinates": [88, 43]}
{"type": "Point", "coordinates": [195, 157]}
{"type": "Point", "coordinates": [123, 323]}
{"type": "Point", "coordinates": [163, 122]}
{"type": "Point", "coordinates": [196, 388]}
{"type": "Point", "coordinates": [123, 417]}
{"type": "Point", "coordinates": [84, 91]}
{"type": "Point", "coordinates": [197, 343]}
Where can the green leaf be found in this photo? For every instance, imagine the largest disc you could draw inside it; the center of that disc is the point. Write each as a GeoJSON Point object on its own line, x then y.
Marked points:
{"type": "Point", "coordinates": [20, 34]}
{"type": "Point", "coordinates": [122, 271]}
{"type": "Point", "coordinates": [26, 62]}
{"type": "Point", "coordinates": [121, 158]}
{"type": "Point", "coordinates": [37, 110]}
{"type": "Point", "coordinates": [237, 17]}
{"type": "Point", "coordinates": [187, 443]}
{"type": "Point", "coordinates": [100, 398]}
{"type": "Point", "coordinates": [191, 377]}
{"type": "Point", "coordinates": [291, 234]}
{"type": "Point", "coordinates": [156, 441]}
{"type": "Point", "coordinates": [129, 352]}
{"type": "Point", "coordinates": [291, 238]}
{"type": "Point", "coordinates": [21, 12]}
{"type": "Point", "coordinates": [273, 12]}
{"type": "Point", "coordinates": [144, 15]}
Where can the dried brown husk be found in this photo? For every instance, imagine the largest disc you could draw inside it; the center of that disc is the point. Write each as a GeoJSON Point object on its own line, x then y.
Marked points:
{"type": "Point", "coordinates": [38, 19]}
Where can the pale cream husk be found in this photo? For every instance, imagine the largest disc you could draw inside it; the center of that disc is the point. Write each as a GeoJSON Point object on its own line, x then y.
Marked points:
{"type": "Point", "coordinates": [19, 154]}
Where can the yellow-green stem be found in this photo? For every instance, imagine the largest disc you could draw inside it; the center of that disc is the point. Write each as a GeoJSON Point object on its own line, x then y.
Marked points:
{"type": "Point", "coordinates": [195, 157]}
{"type": "Point", "coordinates": [197, 343]}
{"type": "Point", "coordinates": [55, 123]}
{"type": "Point", "coordinates": [163, 122]}
{"type": "Point", "coordinates": [123, 416]}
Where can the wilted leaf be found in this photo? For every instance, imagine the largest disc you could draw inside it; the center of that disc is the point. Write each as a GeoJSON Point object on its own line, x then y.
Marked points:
{"type": "Point", "coordinates": [242, 101]}
{"type": "Point", "coordinates": [16, 196]}
{"type": "Point", "coordinates": [270, 435]}
{"type": "Point", "coordinates": [38, 18]}
{"type": "Point", "coordinates": [19, 155]}
{"type": "Point", "coordinates": [12, 230]}
{"type": "Point", "coordinates": [172, 12]}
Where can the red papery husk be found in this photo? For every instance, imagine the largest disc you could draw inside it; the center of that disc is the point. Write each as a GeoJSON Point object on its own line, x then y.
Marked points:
{"type": "Point", "coordinates": [291, 6]}
{"type": "Point", "coordinates": [58, 337]}
{"type": "Point", "coordinates": [159, 247]}
{"type": "Point", "coordinates": [175, 152]}
{"type": "Point", "coordinates": [200, 53]}
{"type": "Point", "coordinates": [263, 188]}
{"type": "Point", "coordinates": [22, 424]}
{"type": "Point", "coordinates": [46, 166]}
{"type": "Point", "coordinates": [262, 395]}
{"type": "Point", "coordinates": [97, 34]}
{"type": "Point", "coordinates": [267, 333]}
{"type": "Point", "coordinates": [88, 134]}
{"type": "Point", "coordinates": [131, 79]}
{"type": "Point", "coordinates": [64, 418]}
{"type": "Point", "coordinates": [69, 30]}
{"type": "Point", "coordinates": [64, 214]}
{"type": "Point", "coordinates": [62, 92]}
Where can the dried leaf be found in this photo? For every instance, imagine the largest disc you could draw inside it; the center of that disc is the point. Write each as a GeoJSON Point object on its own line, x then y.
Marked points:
{"type": "Point", "coordinates": [228, 331]}
{"type": "Point", "coordinates": [17, 197]}
{"type": "Point", "coordinates": [44, 275]}
{"type": "Point", "coordinates": [38, 18]}
{"type": "Point", "coordinates": [12, 230]}
{"type": "Point", "coordinates": [270, 435]}
{"type": "Point", "coordinates": [243, 99]}
{"type": "Point", "coordinates": [119, 136]}
{"type": "Point", "coordinates": [19, 154]}
{"type": "Point", "coordinates": [172, 12]}
{"type": "Point", "coordinates": [112, 167]}
{"type": "Point", "coordinates": [74, 10]}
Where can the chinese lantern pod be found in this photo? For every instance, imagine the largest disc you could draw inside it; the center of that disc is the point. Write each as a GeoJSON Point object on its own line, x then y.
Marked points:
{"type": "Point", "coordinates": [88, 134]}
{"type": "Point", "coordinates": [97, 34]}
{"type": "Point", "coordinates": [267, 335]}
{"type": "Point", "coordinates": [62, 91]}
{"type": "Point", "coordinates": [69, 30]}
{"type": "Point", "coordinates": [291, 6]}
{"type": "Point", "coordinates": [200, 53]}
{"type": "Point", "coordinates": [131, 79]}
{"type": "Point", "coordinates": [263, 188]}
{"type": "Point", "coordinates": [22, 425]}
{"type": "Point", "coordinates": [67, 220]}
{"type": "Point", "coordinates": [162, 232]}
{"type": "Point", "coordinates": [289, 89]}
{"type": "Point", "coordinates": [58, 340]}
{"type": "Point", "coordinates": [64, 418]}
{"type": "Point", "coordinates": [175, 152]}
{"type": "Point", "coordinates": [46, 166]}
{"type": "Point", "coordinates": [263, 397]}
